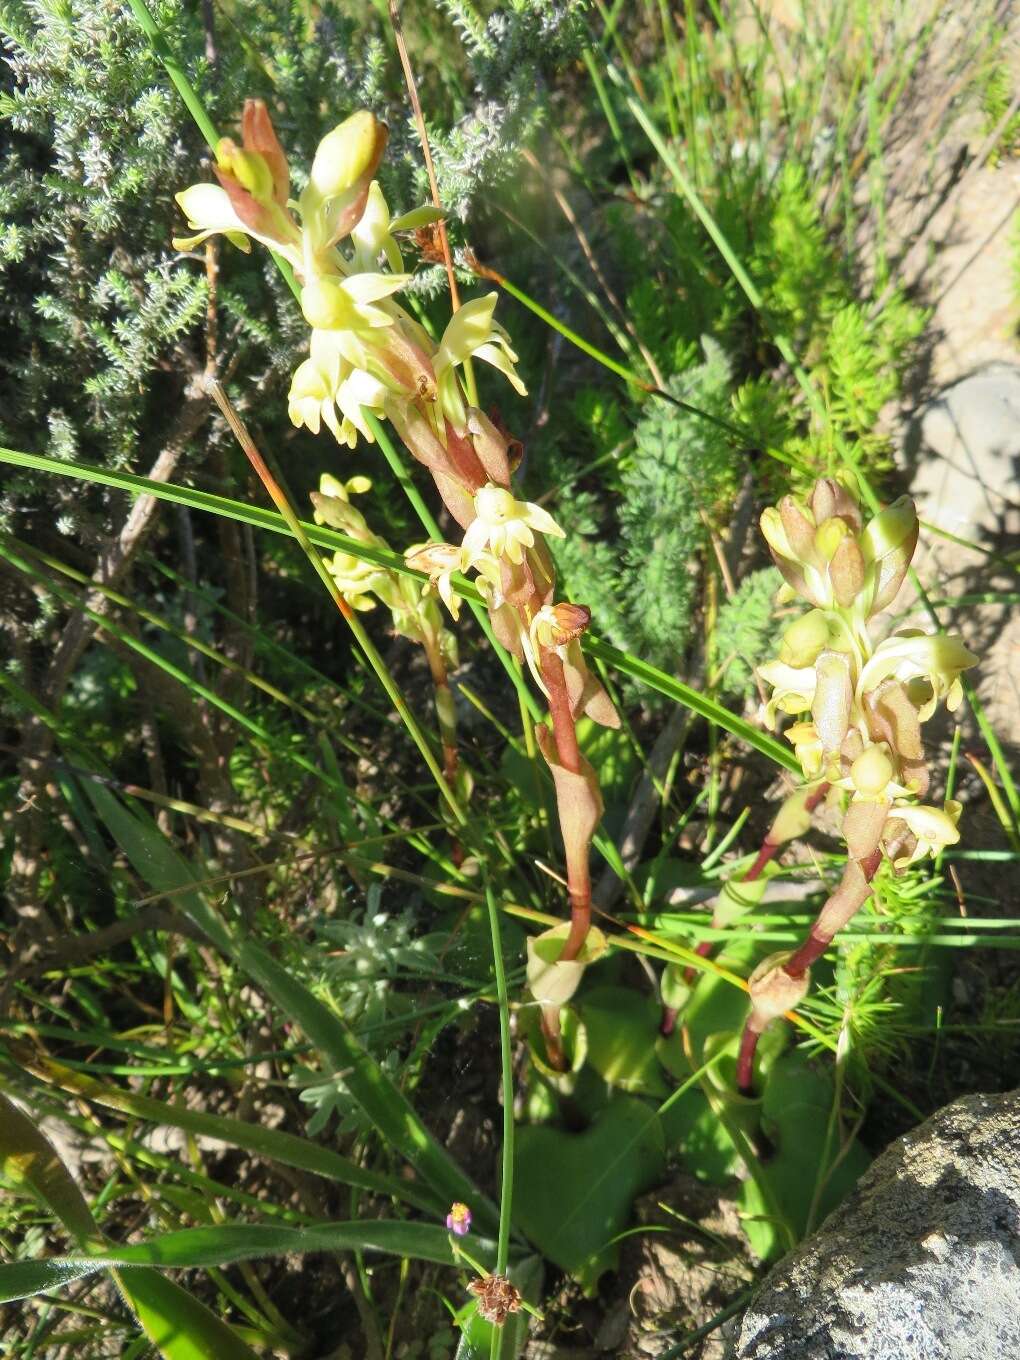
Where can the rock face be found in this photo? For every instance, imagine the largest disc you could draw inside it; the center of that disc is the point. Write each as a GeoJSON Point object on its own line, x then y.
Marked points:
{"type": "Point", "coordinates": [922, 1262]}
{"type": "Point", "coordinates": [967, 443]}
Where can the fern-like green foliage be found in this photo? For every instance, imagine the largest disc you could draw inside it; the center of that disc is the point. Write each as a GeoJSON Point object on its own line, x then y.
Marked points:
{"type": "Point", "coordinates": [638, 568]}
{"type": "Point", "coordinates": [998, 86]}
{"type": "Point", "coordinates": [745, 631]}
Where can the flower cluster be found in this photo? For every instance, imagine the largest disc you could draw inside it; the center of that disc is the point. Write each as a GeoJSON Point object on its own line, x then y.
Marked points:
{"type": "Point", "coordinates": [366, 352]}
{"type": "Point", "coordinates": [858, 705]}
{"type": "Point", "coordinates": [362, 583]}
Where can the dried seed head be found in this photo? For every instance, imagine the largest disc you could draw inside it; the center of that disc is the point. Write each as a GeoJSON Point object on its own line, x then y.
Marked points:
{"type": "Point", "coordinates": [497, 1298]}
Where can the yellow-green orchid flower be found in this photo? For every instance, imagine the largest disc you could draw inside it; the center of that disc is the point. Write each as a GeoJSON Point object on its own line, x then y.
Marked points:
{"type": "Point", "coordinates": [934, 828]}
{"type": "Point", "coordinates": [928, 664]}
{"type": "Point", "coordinates": [505, 526]}
{"type": "Point", "coordinates": [472, 332]}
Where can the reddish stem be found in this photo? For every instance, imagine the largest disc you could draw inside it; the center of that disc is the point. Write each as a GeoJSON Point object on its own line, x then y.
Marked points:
{"type": "Point", "coordinates": [564, 729]}
{"type": "Point", "coordinates": [668, 1022]}
{"type": "Point", "coordinates": [550, 1022]}
{"type": "Point", "coordinates": [568, 753]}
{"type": "Point", "coordinates": [818, 941]}
{"type": "Point", "coordinates": [745, 1060]}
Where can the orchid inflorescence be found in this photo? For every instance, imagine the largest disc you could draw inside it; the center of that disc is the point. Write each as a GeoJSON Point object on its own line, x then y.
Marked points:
{"type": "Point", "coordinates": [369, 359]}
{"type": "Point", "coordinates": [858, 707]}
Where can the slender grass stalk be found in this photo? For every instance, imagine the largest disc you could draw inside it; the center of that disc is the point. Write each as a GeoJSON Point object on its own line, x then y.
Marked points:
{"type": "Point", "coordinates": [175, 71]}
{"type": "Point", "coordinates": [745, 435]}
{"type": "Point", "coordinates": [346, 612]}
{"type": "Point", "coordinates": [506, 1060]}
{"type": "Point", "coordinates": [328, 538]}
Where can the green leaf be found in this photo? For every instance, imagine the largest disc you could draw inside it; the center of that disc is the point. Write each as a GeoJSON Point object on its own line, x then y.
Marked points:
{"type": "Point", "coordinates": [808, 1173]}
{"type": "Point", "coordinates": [573, 1192]}
{"type": "Point", "coordinates": [286, 1148]}
{"type": "Point", "coordinates": [620, 1027]}
{"type": "Point", "coordinates": [192, 1248]}
{"type": "Point", "coordinates": [178, 1325]}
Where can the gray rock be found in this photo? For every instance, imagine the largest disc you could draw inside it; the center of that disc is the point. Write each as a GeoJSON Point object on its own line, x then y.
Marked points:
{"type": "Point", "coordinates": [967, 445]}
{"type": "Point", "coordinates": [922, 1262]}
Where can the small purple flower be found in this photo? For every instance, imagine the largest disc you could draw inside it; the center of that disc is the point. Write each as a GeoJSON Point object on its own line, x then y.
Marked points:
{"type": "Point", "coordinates": [458, 1220]}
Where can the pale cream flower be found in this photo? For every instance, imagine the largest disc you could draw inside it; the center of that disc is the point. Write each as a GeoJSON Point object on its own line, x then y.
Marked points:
{"type": "Point", "coordinates": [472, 332]}
{"type": "Point", "coordinates": [505, 526]}
{"type": "Point", "coordinates": [439, 561]}
{"type": "Point", "coordinates": [934, 828]}
{"type": "Point", "coordinates": [929, 664]}
{"type": "Point", "coordinates": [793, 688]}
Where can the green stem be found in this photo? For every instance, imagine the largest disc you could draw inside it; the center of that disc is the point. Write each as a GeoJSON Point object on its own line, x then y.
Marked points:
{"type": "Point", "coordinates": [506, 1058]}
{"type": "Point", "coordinates": [366, 644]}
{"type": "Point", "coordinates": [175, 71]}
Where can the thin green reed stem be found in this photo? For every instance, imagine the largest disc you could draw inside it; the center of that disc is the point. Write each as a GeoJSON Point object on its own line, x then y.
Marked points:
{"type": "Point", "coordinates": [741, 432]}
{"type": "Point", "coordinates": [175, 71]}
{"type": "Point", "coordinates": [724, 248]}
{"type": "Point", "coordinates": [349, 615]}
{"type": "Point", "coordinates": [506, 1059]}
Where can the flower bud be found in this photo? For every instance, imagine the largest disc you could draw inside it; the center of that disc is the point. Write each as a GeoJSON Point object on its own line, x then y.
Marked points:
{"type": "Point", "coordinates": [793, 819]}
{"type": "Point", "coordinates": [828, 537]}
{"type": "Point", "coordinates": [871, 772]}
{"type": "Point", "coordinates": [773, 991]}
{"type": "Point", "coordinates": [799, 527]}
{"type": "Point", "coordinates": [829, 498]}
{"type": "Point", "coordinates": [258, 134]}
{"type": "Point", "coordinates": [833, 697]}
{"type": "Point", "coordinates": [888, 544]}
{"type": "Point", "coordinates": [804, 639]}
{"type": "Point", "coordinates": [846, 570]}
{"type": "Point", "coordinates": [349, 154]}
{"type": "Point", "coordinates": [248, 168]}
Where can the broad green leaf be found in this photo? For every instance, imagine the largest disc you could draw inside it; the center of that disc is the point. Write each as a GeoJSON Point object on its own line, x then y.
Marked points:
{"type": "Point", "coordinates": [573, 1192]}
{"type": "Point", "coordinates": [180, 1326]}
{"type": "Point", "coordinates": [620, 1027]}
{"type": "Point", "coordinates": [29, 1160]}
{"type": "Point", "coordinates": [192, 1248]}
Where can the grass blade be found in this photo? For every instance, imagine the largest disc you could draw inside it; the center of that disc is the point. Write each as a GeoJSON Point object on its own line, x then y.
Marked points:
{"type": "Point", "coordinates": [286, 1148]}
{"type": "Point", "coordinates": [202, 1248]}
